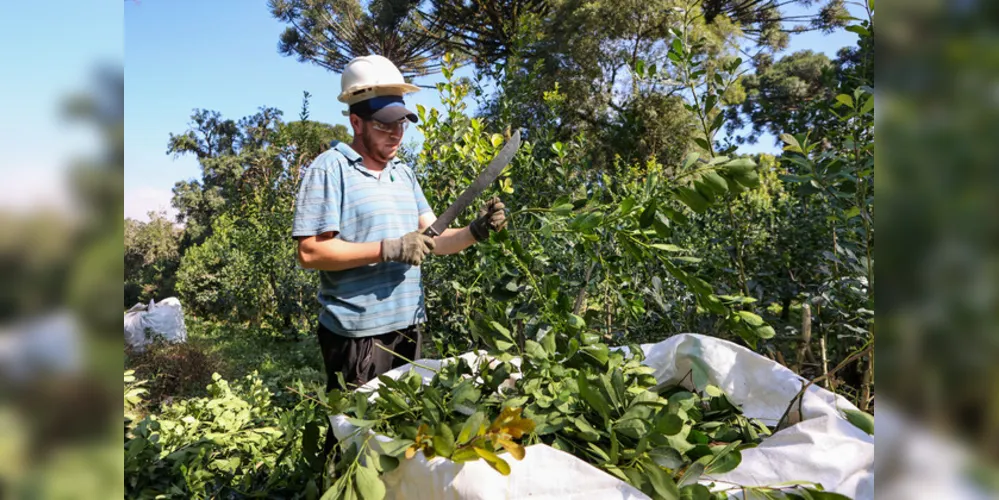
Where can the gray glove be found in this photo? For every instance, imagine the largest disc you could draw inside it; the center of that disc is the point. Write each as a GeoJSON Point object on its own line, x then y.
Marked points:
{"type": "Point", "coordinates": [410, 249]}
{"type": "Point", "coordinates": [491, 218]}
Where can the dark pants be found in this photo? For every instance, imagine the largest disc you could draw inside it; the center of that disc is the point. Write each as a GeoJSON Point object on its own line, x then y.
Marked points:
{"type": "Point", "coordinates": [360, 360]}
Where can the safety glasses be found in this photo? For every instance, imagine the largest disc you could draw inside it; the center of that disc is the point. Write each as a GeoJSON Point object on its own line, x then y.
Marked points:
{"type": "Point", "coordinates": [388, 128]}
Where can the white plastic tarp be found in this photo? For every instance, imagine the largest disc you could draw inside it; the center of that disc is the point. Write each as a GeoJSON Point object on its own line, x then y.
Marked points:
{"type": "Point", "coordinates": [143, 322]}
{"type": "Point", "coordinates": [823, 447]}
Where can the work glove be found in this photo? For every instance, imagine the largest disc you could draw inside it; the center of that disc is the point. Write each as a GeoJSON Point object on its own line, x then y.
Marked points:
{"type": "Point", "coordinates": [491, 218]}
{"type": "Point", "coordinates": [410, 249]}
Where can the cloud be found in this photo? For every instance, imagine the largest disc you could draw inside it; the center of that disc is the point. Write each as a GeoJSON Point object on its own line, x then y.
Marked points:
{"type": "Point", "coordinates": [140, 201]}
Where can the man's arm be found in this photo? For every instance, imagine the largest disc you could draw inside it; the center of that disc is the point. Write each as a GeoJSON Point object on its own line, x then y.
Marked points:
{"type": "Point", "coordinates": [327, 253]}
{"type": "Point", "coordinates": [452, 240]}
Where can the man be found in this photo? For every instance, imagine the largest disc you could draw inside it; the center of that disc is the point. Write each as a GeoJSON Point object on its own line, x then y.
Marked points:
{"type": "Point", "coordinates": [359, 217]}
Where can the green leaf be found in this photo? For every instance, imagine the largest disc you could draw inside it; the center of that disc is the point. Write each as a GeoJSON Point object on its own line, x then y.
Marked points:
{"type": "Point", "coordinates": [395, 447]}
{"type": "Point", "coordinates": [700, 141]}
{"type": "Point", "coordinates": [534, 350]}
{"type": "Point", "coordinates": [868, 105]}
{"type": "Point", "coordinates": [364, 424]}
{"type": "Point", "coordinates": [691, 158]}
{"type": "Point", "coordinates": [336, 492]}
{"type": "Point", "coordinates": [591, 397]}
{"type": "Point", "coordinates": [692, 199]}
{"type": "Point", "coordinates": [597, 353]}
{"type": "Point", "coordinates": [765, 332]}
{"type": "Point", "coordinates": [501, 330]}
{"type": "Point", "coordinates": [464, 455]}
{"type": "Point", "coordinates": [845, 99]}
{"type": "Point", "coordinates": [748, 179]}
{"type": "Point", "coordinates": [496, 462]}
{"type": "Point", "coordinates": [576, 322]}
{"type": "Point", "coordinates": [726, 460]}
{"type": "Point", "coordinates": [862, 420]}
{"type": "Point", "coordinates": [676, 47]}
{"type": "Point", "coordinates": [669, 424]}
{"type": "Point", "coordinates": [599, 452]}
{"type": "Point", "coordinates": [648, 215]}
{"type": "Point", "coordinates": [627, 204]}
{"type": "Point", "coordinates": [668, 247]}
{"type": "Point", "coordinates": [717, 122]}
{"type": "Point", "coordinates": [563, 209]}
{"type": "Point", "coordinates": [662, 483]}
{"type": "Point", "coordinates": [858, 29]}
{"type": "Point", "coordinates": [667, 457]}
{"type": "Point", "coordinates": [311, 490]}
{"type": "Point", "coordinates": [695, 492]}
{"type": "Point", "coordinates": [633, 428]}
{"type": "Point", "coordinates": [497, 140]}
{"type": "Point", "coordinates": [369, 485]}
{"type": "Point", "coordinates": [444, 441]}
{"type": "Point", "coordinates": [740, 166]}
{"type": "Point", "coordinates": [387, 464]}
{"type": "Point", "coordinates": [586, 431]}
{"type": "Point", "coordinates": [751, 318]}
{"type": "Point", "coordinates": [692, 474]}
{"type": "Point", "coordinates": [548, 341]}
{"type": "Point", "coordinates": [471, 427]}
{"type": "Point", "coordinates": [717, 183]}
{"type": "Point", "coordinates": [675, 216]}
{"type": "Point", "coordinates": [661, 227]}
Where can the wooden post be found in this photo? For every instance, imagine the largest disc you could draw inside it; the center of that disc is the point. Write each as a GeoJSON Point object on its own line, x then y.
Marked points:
{"type": "Point", "coordinates": [804, 347]}
{"type": "Point", "coordinates": [865, 393]}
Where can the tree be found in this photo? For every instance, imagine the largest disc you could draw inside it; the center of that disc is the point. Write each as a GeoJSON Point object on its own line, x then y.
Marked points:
{"type": "Point", "coordinates": [240, 159]}
{"type": "Point", "coordinates": [787, 95]}
{"type": "Point", "coordinates": [486, 31]}
{"type": "Point", "coordinates": [152, 254]}
{"type": "Point", "coordinates": [240, 265]}
{"type": "Point", "coordinates": [766, 24]}
{"type": "Point", "coordinates": [329, 33]}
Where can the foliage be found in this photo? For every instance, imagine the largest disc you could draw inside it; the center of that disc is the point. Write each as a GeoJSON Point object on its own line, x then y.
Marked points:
{"type": "Point", "coordinates": [231, 443]}
{"type": "Point", "coordinates": [242, 264]}
{"type": "Point", "coordinates": [781, 95]}
{"type": "Point", "coordinates": [631, 218]}
{"type": "Point", "coordinates": [601, 405]}
{"type": "Point", "coordinates": [330, 33]}
{"type": "Point", "coordinates": [173, 371]}
{"type": "Point", "coordinates": [134, 389]}
{"type": "Point", "coordinates": [256, 159]}
{"type": "Point", "coordinates": [152, 255]}
{"type": "Point", "coordinates": [281, 363]}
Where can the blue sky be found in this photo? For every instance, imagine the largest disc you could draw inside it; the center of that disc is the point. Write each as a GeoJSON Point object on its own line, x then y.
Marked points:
{"type": "Point", "coordinates": [39, 143]}
{"type": "Point", "coordinates": [222, 55]}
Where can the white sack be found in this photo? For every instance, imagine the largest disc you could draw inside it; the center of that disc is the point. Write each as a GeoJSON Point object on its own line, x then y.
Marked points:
{"type": "Point", "coordinates": [823, 448]}
{"type": "Point", "coordinates": [163, 319]}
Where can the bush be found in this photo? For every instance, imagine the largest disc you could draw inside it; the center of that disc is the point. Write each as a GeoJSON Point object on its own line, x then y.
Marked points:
{"type": "Point", "coordinates": [232, 443]}
{"type": "Point", "coordinates": [174, 370]}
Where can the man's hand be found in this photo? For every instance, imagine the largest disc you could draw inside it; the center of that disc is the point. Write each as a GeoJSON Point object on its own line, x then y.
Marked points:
{"type": "Point", "coordinates": [491, 218]}
{"type": "Point", "coordinates": [410, 249]}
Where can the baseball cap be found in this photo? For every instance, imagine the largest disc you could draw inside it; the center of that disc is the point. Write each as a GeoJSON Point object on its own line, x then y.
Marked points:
{"type": "Point", "coordinates": [386, 109]}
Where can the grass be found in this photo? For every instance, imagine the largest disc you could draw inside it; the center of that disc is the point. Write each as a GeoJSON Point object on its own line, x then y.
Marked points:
{"type": "Point", "coordinates": [183, 371]}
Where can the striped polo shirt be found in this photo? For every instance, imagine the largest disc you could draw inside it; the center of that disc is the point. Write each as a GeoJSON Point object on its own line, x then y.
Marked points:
{"type": "Point", "coordinates": [338, 193]}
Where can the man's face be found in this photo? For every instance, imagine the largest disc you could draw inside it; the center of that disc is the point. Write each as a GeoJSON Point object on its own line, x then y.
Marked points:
{"type": "Point", "coordinates": [382, 140]}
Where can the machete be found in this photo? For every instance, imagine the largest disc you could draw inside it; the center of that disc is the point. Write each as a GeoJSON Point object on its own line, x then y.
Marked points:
{"type": "Point", "coordinates": [480, 184]}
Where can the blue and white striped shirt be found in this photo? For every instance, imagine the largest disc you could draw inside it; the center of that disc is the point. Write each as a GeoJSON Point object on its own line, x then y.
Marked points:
{"type": "Point", "coordinates": [338, 193]}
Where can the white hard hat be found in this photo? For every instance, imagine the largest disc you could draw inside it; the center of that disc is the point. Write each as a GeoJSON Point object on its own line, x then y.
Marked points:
{"type": "Point", "coordinates": [372, 76]}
